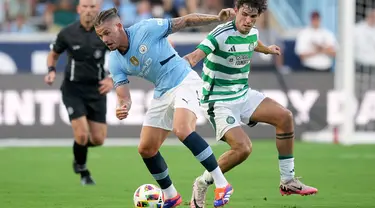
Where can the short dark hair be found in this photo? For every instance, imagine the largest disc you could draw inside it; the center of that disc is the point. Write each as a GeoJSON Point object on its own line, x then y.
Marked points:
{"type": "Point", "coordinates": [105, 15]}
{"type": "Point", "coordinates": [315, 14]}
{"type": "Point", "coordinates": [261, 5]}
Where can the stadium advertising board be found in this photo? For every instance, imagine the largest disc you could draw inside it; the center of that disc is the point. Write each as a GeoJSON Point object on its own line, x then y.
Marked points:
{"type": "Point", "coordinates": [31, 109]}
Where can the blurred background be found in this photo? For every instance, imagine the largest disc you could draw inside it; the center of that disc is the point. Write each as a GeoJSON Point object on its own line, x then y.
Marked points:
{"type": "Point", "coordinates": [306, 78]}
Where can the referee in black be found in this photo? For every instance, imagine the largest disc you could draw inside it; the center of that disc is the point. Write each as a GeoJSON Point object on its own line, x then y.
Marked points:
{"type": "Point", "coordinates": [85, 83]}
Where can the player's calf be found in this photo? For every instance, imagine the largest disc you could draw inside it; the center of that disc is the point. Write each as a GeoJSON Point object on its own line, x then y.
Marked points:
{"type": "Point", "coordinates": [204, 154]}
{"type": "Point", "coordinates": [151, 140]}
{"type": "Point", "coordinates": [284, 143]}
{"type": "Point", "coordinates": [184, 128]}
{"type": "Point", "coordinates": [241, 148]}
{"type": "Point", "coordinates": [159, 170]}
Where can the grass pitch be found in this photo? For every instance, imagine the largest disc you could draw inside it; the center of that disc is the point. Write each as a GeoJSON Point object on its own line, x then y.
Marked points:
{"type": "Point", "coordinates": [43, 177]}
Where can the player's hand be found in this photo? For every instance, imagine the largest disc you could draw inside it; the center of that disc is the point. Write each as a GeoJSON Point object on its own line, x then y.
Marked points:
{"type": "Point", "coordinates": [274, 49]}
{"type": "Point", "coordinates": [106, 85]}
{"type": "Point", "coordinates": [328, 50]}
{"type": "Point", "coordinates": [122, 112]}
{"type": "Point", "coordinates": [50, 77]}
{"type": "Point", "coordinates": [227, 15]}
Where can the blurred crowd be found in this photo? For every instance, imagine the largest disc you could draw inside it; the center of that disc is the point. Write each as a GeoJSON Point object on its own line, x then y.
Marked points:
{"type": "Point", "coordinates": [28, 16]}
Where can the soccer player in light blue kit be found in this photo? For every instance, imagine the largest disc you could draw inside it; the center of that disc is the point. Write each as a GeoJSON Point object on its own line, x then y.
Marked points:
{"type": "Point", "coordinates": [143, 50]}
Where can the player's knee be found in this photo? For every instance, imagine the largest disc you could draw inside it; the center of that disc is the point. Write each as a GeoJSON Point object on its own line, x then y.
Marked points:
{"type": "Point", "coordinates": [147, 152]}
{"type": "Point", "coordinates": [98, 140]}
{"type": "Point", "coordinates": [286, 120]}
{"type": "Point", "coordinates": [182, 131]}
{"type": "Point", "coordinates": [245, 150]}
{"type": "Point", "coordinates": [81, 137]}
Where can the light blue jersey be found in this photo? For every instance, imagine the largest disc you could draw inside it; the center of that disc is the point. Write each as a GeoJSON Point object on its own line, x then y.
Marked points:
{"type": "Point", "coordinates": [149, 56]}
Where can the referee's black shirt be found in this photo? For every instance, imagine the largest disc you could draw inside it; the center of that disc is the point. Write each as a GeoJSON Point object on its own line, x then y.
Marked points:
{"type": "Point", "coordinates": [85, 52]}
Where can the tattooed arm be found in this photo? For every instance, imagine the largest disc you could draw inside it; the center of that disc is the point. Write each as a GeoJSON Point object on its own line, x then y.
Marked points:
{"type": "Point", "coordinates": [193, 20]}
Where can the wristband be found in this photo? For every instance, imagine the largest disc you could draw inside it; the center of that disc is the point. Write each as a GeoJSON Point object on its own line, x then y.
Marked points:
{"type": "Point", "coordinates": [51, 68]}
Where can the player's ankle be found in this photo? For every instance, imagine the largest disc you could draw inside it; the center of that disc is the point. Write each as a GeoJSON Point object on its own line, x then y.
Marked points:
{"type": "Point", "coordinates": [85, 173]}
{"type": "Point", "coordinates": [207, 178]}
{"type": "Point", "coordinates": [286, 179]}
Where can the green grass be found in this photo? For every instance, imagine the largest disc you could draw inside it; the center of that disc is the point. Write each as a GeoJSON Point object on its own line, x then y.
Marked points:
{"type": "Point", "coordinates": [43, 178]}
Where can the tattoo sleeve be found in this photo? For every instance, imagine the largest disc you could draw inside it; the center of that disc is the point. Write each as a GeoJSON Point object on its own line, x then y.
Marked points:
{"type": "Point", "coordinates": [193, 20]}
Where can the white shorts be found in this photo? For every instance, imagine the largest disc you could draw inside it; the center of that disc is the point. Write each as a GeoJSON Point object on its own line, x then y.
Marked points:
{"type": "Point", "coordinates": [225, 115]}
{"type": "Point", "coordinates": [185, 95]}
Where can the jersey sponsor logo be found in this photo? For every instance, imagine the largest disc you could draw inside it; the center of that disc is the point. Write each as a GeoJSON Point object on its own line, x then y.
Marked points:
{"type": "Point", "coordinates": [238, 60]}
{"type": "Point", "coordinates": [143, 49]}
{"type": "Point", "coordinates": [230, 120]}
{"type": "Point", "coordinates": [134, 61]}
{"type": "Point", "coordinates": [146, 68]}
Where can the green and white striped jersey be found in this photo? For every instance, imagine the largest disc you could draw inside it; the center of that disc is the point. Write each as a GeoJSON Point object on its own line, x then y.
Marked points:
{"type": "Point", "coordinates": [227, 65]}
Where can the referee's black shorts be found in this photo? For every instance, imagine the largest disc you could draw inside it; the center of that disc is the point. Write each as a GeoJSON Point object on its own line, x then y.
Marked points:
{"type": "Point", "coordinates": [84, 100]}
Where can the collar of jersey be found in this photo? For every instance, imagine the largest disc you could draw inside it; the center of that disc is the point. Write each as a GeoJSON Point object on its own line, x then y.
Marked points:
{"type": "Point", "coordinates": [128, 35]}
{"type": "Point", "coordinates": [84, 29]}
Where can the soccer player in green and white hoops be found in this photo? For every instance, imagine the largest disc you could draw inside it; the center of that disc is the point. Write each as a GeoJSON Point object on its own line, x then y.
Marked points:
{"type": "Point", "coordinates": [228, 100]}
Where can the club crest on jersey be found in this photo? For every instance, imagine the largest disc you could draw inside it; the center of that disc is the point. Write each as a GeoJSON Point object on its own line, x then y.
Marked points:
{"type": "Point", "coordinates": [134, 61]}
{"type": "Point", "coordinates": [143, 49]}
{"type": "Point", "coordinates": [98, 54]}
{"type": "Point", "coordinates": [252, 46]}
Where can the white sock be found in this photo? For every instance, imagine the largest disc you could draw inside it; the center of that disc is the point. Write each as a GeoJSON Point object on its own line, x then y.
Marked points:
{"type": "Point", "coordinates": [207, 177]}
{"type": "Point", "coordinates": [286, 167]}
{"type": "Point", "coordinates": [217, 177]}
{"type": "Point", "coordinates": [170, 192]}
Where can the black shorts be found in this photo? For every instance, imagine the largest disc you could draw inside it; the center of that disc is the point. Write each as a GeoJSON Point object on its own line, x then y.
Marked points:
{"type": "Point", "coordinates": [84, 100]}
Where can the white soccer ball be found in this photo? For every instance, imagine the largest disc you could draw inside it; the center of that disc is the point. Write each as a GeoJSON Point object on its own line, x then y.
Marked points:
{"type": "Point", "coordinates": [148, 195]}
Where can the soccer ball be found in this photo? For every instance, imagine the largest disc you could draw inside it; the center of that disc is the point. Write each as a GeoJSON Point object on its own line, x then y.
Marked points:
{"type": "Point", "coordinates": [148, 195]}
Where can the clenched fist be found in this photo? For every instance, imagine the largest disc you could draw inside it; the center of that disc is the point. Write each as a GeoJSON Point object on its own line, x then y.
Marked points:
{"type": "Point", "coordinates": [122, 112]}
{"type": "Point", "coordinates": [226, 15]}
{"type": "Point", "coordinates": [50, 77]}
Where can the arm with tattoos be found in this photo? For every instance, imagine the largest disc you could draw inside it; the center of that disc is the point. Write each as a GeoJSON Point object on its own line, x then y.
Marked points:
{"type": "Point", "coordinates": [194, 20]}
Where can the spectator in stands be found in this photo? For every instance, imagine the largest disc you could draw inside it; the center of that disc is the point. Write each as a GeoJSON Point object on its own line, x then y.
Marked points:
{"type": "Point", "coordinates": [60, 13]}
{"type": "Point", "coordinates": [17, 14]}
{"type": "Point", "coordinates": [316, 46]}
{"type": "Point", "coordinates": [127, 10]}
{"type": "Point", "coordinates": [364, 47]}
{"type": "Point", "coordinates": [210, 7]}
{"type": "Point", "coordinates": [2, 14]}
{"type": "Point", "coordinates": [20, 25]}
{"type": "Point", "coordinates": [365, 41]}
{"type": "Point", "coordinates": [18, 7]}
{"type": "Point", "coordinates": [176, 8]}
{"type": "Point", "coordinates": [143, 10]}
